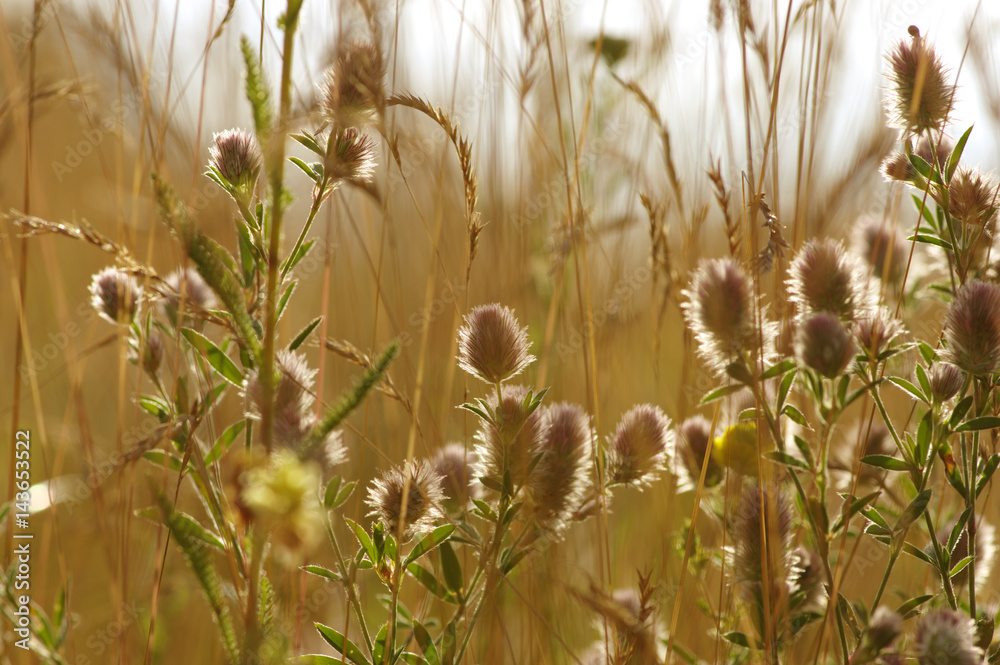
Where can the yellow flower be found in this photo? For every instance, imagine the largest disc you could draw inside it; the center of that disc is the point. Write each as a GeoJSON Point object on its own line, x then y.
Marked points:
{"type": "Point", "coordinates": [737, 448]}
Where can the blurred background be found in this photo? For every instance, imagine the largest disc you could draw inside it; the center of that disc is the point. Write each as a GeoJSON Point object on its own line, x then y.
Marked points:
{"type": "Point", "coordinates": [560, 142]}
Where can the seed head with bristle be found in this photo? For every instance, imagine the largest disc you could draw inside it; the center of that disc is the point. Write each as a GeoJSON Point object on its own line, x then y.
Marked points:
{"type": "Point", "coordinates": [151, 353]}
{"type": "Point", "coordinates": [896, 167]}
{"type": "Point", "coordinates": [946, 380]}
{"type": "Point", "coordinates": [640, 446]}
{"type": "Point", "coordinates": [694, 438]}
{"type": "Point", "coordinates": [189, 285]}
{"type": "Point", "coordinates": [882, 247]}
{"type": "Point", "coordinates": [883, 629]}
{"type": "Point", "coordinates": [824, 344]}
{"type": "Point", "coordinates": [719, 309]}
{"type": "Point", "coordinates": [235, 154]}
{"type": "Point", "coordinates": [946, 636]}
{"type": "Point", "coordinates": [936, 154]}
{"type": "Point", "coordinates": [454, 463]}
{"type": "Point", "coordinates": [920, 94]}
{"type": "Point", "coordinates": [972, 328]}
{"type": "Point", "coordinates": [115, 295]}
{"type": "Point", "coordinates": [351, 91]}
{"type": "Point", "coordinates": [491, 345]}
{"type": "Point", "coordinates": [422, 487]}
{"type": "Point", "coordinates": [876, 331]}
{"type": "Point", "coordinates": [825, 278]}
{"type": "Point", "coordinates": [293, 399]}
{"type": "Point", "coordinates": [560, 480]}
{"type": "Point", "coordinates": [509, 443]}
{"type": "Point", "coordinates": [972, 198]}
{"type": "Point", "coordinates": [351, 156]}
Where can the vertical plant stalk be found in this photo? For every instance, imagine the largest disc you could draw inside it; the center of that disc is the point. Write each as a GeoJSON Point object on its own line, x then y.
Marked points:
{"type": "Point", "coordinates": [276, 150]}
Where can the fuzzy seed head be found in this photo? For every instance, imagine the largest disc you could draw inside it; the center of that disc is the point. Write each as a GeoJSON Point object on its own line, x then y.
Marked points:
{"type": "Point", "coordinates": [946, 380]}
{"type": "Point", "coordinates": [422, 487]}
{"type": "Point", "coordinates": [882, 247]}
{"type": "Point", "coordinates": [190, 286]}
{"type": "Point", "coordinates": [293, 399]}
{"type": "Point", "coordinates": [896, 167]}
{"type": "Point", "coordinates": [920, 94]}
{"type": "Point", "coordinates": [491, 345]}
{"type": "Point", "coordinates": [559, 483]}
{"type": "Point", "coordinates": [351, 156]}
{"type": "Point", "coordinates": [825, 278]}
{"type": "Point", "coordinates": [152, 353]}
{"type": "Point", "coordinates": [283, 494]}
{"type": "Point", "coordinates": [115, 295]}
{"type": "Point", "coordinates": [824, 344]}
{"type": "Point", "coordinates": [719, 309]}
{"type": "Point", "coordinates": [754, 505]}
{"type": "Point", "coordinates": [510, 443]}
{"type": "Point", "coordinates": [883, 629]}
{"type": "Point", "coordinates": [454, 463]}
{"type": "Point", "coordinates": [945, 637]}
{"type": "Point", "coordinates": [334, 451]}
{"type": "Point", "coordinates": [640, 446]}
{"type": "Point", "coordinates": [876, 331]}
{"type": "Point", "coordinates": [972, 198]}
{"type": "Point", "coordinates": [351, 91]}
{"type": "Point", "coordinates": [972, 328]}
{"type": "Point", "coordinates": [693, 440]}
{"type": "Point", "coordinates": [236, 155]}
{"type": "Point", "coordinates": [936, 154]}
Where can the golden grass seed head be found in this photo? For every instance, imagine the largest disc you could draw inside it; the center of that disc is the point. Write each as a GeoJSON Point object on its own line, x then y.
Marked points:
{"type": "Point", "coordinates": [491, 345]}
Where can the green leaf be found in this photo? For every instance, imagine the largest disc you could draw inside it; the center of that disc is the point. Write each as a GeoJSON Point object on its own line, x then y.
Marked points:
{"type": "Point", "coordinates": [925, 169]}
{"type": "Point", "coordinates": [155, 406]}
{"type": "Point", "coordinates": [308, 141]}
{"type": "Point", "coordinates": [283, 300]}
{"type": "Point", "coordinates": [306, 168]}
{"type": "Point", "coordinates": [159, 458]}
{"type": "Point", "coordinates": [856, 504]}
{"type": "Point", "coordinates": [958, 413]}
{"type": "Point", "coordinates": [786, 385]}
{"type": "Point", "coordinates": [778, 369]}
{"type": "Point", "coordinates": [226, 368]}
{"type": "Point", "coordinates": [429, 542]}
{"type": "Point", "coordinates": [430, 581]}
{"type": "Point", "coordinates": [342, 644]}
{"type": "Point", "coordinates": [909, 608]}
{"type": "Point", "coordinates": [908, 388]}
{"type": "Point", "coordinates": [930, 356]}
{"type": "Point", "coordinates": [925, 384]}
{"type": "Point", "coordinates": [925, 213]}
{"type": "Point", "coordinates": [794, 415]}
{"type": "Point", "coordinates": [740, 372]}
{"type": "Point", "coordinates": [740, 639]}
{"type": "Point", "coordinates": [981, 423]}
{"type": "Point", "coordinates": [956, 155]}
{"type": "Point", "coordinates": [931, 240]}
{"type": "Point", "coordinates": [913, 511]}
{"type": "Point", "coordinates": [304, 333]}
{"type": "Point", "coordinates": [320, 571]}
{"type": "Point", "coordinates": [885, 462]}
{"type": "Point", "coordinates": [300, 254]}
{"type": "Point", "coordinates": [803, 447]}
{"type": "Point", "coordinates": [363, 539]}
{"type": "Point", "coordinates": [451, 567]}
{"type": "Point", "coordinates": [987, 472]}
{"type": "Point", "coordinates": [876, 517]}
{"type": "Point", "coordinates": [378, 648]}
{"type": "Point", "coordinates": [918, 553]}
{"type": "Point", "coordinates": [960, 566]}
{"type": "Point", "coordinates": [225, 440]}
{"type": "Point", "coordinates": [787, 460]}
{"type": "Point", "coordinates": [426, 643]}
{"type": "Point", "coordinates": [719, 393]}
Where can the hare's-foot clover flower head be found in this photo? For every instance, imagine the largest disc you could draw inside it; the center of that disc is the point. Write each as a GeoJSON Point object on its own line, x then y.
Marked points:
{"type": "Point", "coordinates": [694, 438]}
{"type": "Point", "coordinates": [946, 380]}
{"type": "Point", "coordinates": [235, 157]}
{"type": "Point", "coordinates": [972, 328]}
{"type": "Point", "coordinates": [640, 446]}
{"type": "Point", "coordinates": [558, 484]}
{"type": "Point", "coordinates": [876, 332]}
{"type": "Point", "coordinates": [115, 295]}
{"type": "Point", "coordinates": [420, 485]}
{"type": "Point", "coordinates": [350, 156]}
{"type": "Point", "coordinates": [920, 94]}
{"type": "Point", "coordinates": [737, 448]}
{"type": "Point", "coordinates": [946, 636]}
{"type": "Point", "coordinates": [825, 278]}
{"type": "Point", "coordinates": [973, 198]}
{"type": "Point", "coordinates": [882, 247]}
{"type": "Point", "coordinates": [148, 353]}
{"type": "Point", "coordinates": [293, 398]}
{"type": "Point", "coordinates": [351, 91]}
{"type": "Point", "coordinates": [508, 442]}
{"type": "Point", "coordinates": [825, 345]}
{"type": "Point", "coordinates": [283, 494]}
{"type": "Point", "coordinates": [187, 285]}
{"type": "Point", "coordinates": [883, 629]}
{"type": "Point", "coordinates": [491, 345]}
{"type": "Point", "coordinates": [454, 463]}
{"type": "Point", "coordinates": [720, 309]}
